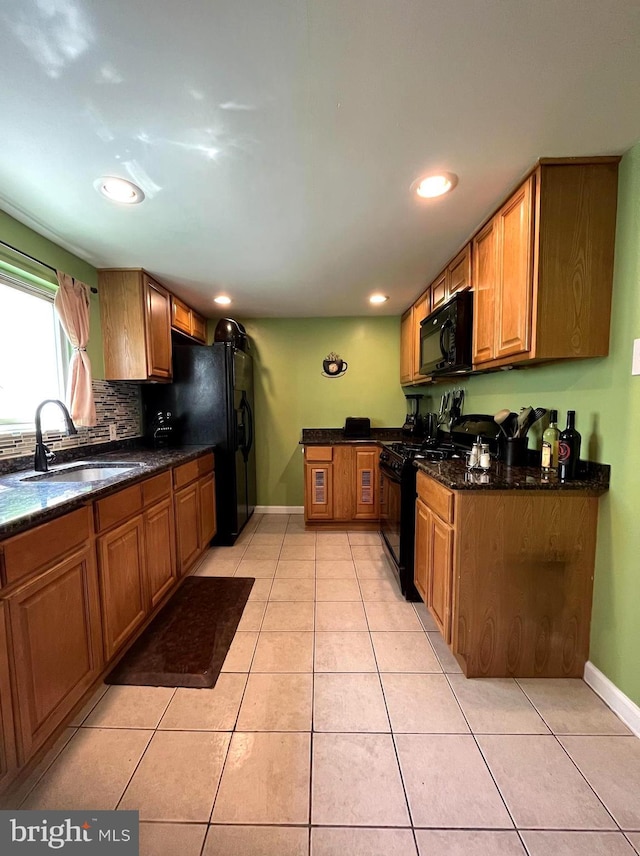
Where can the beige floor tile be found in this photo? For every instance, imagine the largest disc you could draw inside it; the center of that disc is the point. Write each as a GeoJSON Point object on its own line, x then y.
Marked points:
{"type": "Point", "coordinates": [284, 652]}
{"type": "Point", "coordinates": [267, 538]}
{"type": "Point", "coordinates": [92, 770]}
{"type": "Point", "coordinates": [265, 780]}
{"type": "Point", "coordinates": [337, 539]}
{"type": "Point", "coordinates": [373, 569]}
{"type": "Point", "coordinates": [448, 662]}
{"type": "Point", "coordinates": [13, 798]}
{"type": "Point", "coordinates": [496, 706]}
{"type": "Point", "coordinates": [298, 553]}
{"type": "Point", "coordinates": [540, 785]}
{"type": "Point", "coordinates": [170, 839]}
{"type": "Point", "coordinates": [273, 523]}
{"type": "Point", "coordinates": [344, 615]}
{"type": "Point", "coordinates": [381, 590]}
{"type": "Point", "coordinates": [348, 651]}
{"type": "Point", "coordinates": [634, 838]}
{"type": "Point", "coordinates": [338, 590]}
{"type": "Point", "coordinates": [288, 615]}
{"type": "Point", "coordinates": [569, 706]}
{"type": "Point", "coordinates": [130, 707]}
{"type": "Point", "coordinates": [86, 709]}
{"type": "Point", "coordinates": [464, 842]}
{"type": "Point", "coordinates": [577, 844]}
{"type": "Point", "coordinates": [356, 781]}
{"type": "Point", "coordinates": [252, 616]}
{"type": "Point", "coordinates": [240, 652]}
{"type": "Point", "coordinates": [213, 709]}
{"type": "Point", "coordinates": [611, 765]}
{"type": "Point", "coordinates": [327, 841]}
{"type": "Point", "coordinates": [348, 702]}
{"type": "Point", "coordinates": [372, 552]}
{"type": "Point", "coordinates": [225, 553]}
{"type": "Point", "coordinates": [258, 568]}
{"type": "Point", "coordinates": [260, 590]}
{"type": "Point", "coordinates": [218, 568]}
{"type": "Point", "coordinates": [300, 539]}
{"type": "Point", "coordinates": [447, 782]}
{"type": "Point", "coordinates": [333, 552]}
{"type": "Point", "coordinates": [426, 619]}
{"type": "Point", "coordinates": [422, 704]}
{"type": "Point", "coordinates": [296, 570]}
{"type": "Point", "coordinates": [404, 652]}
{"type": "Point", "coordinates": [178, 776]}
{"type": "Point", "coordinates": [392, 616]}
{"type": "Point", "coordinates": [277, 702]}
{"type": "Point", "coordinates": [256, 841]}
{"type": "Point", "coordinates": [361, 539]}
{"type": "Point", "coordinates": [284, 589]}
{"type": "Point", "coordinates": [261, 552]}
{"type": "Point", "coordinates": [339, 569]}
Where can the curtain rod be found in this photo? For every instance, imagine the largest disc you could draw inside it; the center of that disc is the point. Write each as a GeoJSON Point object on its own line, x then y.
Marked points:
{"type": "Point", "coordinates": [34, 259]}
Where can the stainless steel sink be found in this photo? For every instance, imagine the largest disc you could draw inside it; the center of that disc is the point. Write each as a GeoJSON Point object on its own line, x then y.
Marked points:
{"type": "Point", "coordinates": [89, 472]}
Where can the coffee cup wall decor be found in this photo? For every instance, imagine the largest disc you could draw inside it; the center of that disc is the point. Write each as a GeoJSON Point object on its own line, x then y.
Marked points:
{"type": "Point", "coordinates": [334, 366]}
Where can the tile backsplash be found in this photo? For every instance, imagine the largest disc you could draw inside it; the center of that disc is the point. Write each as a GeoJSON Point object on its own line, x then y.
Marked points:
{"type": "Point", "coordinates": [117, 403]}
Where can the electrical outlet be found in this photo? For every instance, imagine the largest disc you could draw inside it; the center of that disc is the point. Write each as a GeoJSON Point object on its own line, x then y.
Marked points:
{"type": "Point", "coordinates": [112, 432]}
{"type": "Point", "coordinates": [635, 365]}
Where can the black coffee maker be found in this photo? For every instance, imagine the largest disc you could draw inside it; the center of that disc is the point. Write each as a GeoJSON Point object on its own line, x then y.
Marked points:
{"type": "Point", "coordinates": [413, 427]}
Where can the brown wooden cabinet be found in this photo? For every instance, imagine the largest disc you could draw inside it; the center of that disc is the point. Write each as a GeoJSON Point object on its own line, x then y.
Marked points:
{"type": "Point", "coordinates": [8, 759]}
{"type": "Point", "coordinates": [195, 510]}
{"type": "Point", "coordinates": [160, 550]}
{"type": "Point", "coordinates": [136, 325]}
{"type": "Point", "coordinates": [187, 505]}
{"type": "Point", "coordinates": [433, 564]}
{"type": "Point", "coordinates": [55, 632]}
{"type": "Point", "coordinates": [342, 484]}
{"type": "Point", "coordinates": [207, 501]}
{"type": "Point", "coordinates": [186, 320]}
{"type": "Point", "coordinates": [543, 267]}
{"type": "Point", "coordinates": [407, 340]}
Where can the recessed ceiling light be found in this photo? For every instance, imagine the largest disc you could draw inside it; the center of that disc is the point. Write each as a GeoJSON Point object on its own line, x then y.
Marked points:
{"type": "Point", "coordinates": [119, 190]}
{"type": "Point", "coordinates": [434, 185]}
{"type": "Point", "coordinates": [378, 298]}
{"type": "Point", "coordinates": [222, 299]}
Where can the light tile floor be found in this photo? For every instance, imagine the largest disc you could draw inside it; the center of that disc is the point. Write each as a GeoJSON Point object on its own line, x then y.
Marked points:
{"type": "Point", "coordinates": [341, 724]}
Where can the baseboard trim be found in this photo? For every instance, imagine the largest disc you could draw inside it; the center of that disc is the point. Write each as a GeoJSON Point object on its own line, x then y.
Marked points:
{"type": "Point", "coordinates": [279, 509]}
{"type": "Point", "coordinates": [627, 710]}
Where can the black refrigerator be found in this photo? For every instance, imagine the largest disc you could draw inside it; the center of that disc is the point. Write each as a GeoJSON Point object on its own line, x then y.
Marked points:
{"type": "Point", "coordinates": [211, 398]}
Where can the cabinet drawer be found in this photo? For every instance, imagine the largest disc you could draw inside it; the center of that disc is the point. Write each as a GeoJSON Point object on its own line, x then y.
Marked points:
{"type": "Point", "coordinates": [118, 507]}
{"type": "Point", "coordinates": [319, 453]}
{"type": "Point", "coordinates": [437, 497]}
{"type": "Point", "coordinates": [156, 488]}
{"type": "Point", "coordinates": [185, 473]}
{"type": "Point", "coordinates": [27, 552]}
{"type": "Point", "coordinates": [205, 464]}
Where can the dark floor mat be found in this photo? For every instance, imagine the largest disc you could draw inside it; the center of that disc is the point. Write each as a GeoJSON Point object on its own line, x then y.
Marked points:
{"type": "Point", "coordinates": [186, 643]}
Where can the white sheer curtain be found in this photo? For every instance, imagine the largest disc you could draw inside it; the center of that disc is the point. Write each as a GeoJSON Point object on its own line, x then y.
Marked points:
{"type": "Point", "coordinates": [72, 305]}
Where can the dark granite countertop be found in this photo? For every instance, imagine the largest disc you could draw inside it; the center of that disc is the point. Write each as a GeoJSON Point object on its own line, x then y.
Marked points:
{"type": "Point", "coordinates": [24, 504]}
{"type": "Point", "coordinates": [594, 478]}
{"type": "Point", "coordinates": [332, 436]}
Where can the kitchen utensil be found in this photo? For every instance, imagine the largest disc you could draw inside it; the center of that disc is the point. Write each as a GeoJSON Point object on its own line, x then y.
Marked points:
{"type": "Point", "coordinates": [522, 419]}
{"type": "Point", "coordinates": [499, 419]}
{"type": "Point", "coordinates": [510, 424]}
{"type": "Point", "coordinates": [534, 416]}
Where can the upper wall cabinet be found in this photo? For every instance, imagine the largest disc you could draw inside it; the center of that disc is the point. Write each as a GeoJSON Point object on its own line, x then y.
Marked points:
{"type": "Point", "coordinates": [136, 326]}
{"type": "Point", "coordinates": [543, 267]}
{"type": "Point", "coordinates": [186, 320]}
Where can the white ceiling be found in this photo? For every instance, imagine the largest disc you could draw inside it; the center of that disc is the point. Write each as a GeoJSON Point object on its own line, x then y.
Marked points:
{"type": "Point", "coordinates": [276, 139]}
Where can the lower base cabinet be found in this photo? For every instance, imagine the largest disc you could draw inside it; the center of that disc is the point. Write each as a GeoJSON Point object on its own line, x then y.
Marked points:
{"type": "Point", "coordinates": [187, 510]}
{"type": "Point", "coordinates": [160, 550]}
{"type": "Point", "coordinates": [7, 730]}
{"type": "Point", "coordinates": [342, 484]}
{"type": "Point", "coordinates": [433, 565]}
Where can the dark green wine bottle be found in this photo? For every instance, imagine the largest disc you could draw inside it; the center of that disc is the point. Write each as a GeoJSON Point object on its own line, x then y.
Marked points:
{"type": "Point", "coordinates": [569, 450]}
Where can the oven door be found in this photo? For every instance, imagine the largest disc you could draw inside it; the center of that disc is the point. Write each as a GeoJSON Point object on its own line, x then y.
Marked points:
{"type": "Point", "coordinates": [390, 508]}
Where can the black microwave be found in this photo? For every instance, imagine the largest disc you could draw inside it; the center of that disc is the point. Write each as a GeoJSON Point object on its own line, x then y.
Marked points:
{"type": "Point", "coordinates": [445, 337]}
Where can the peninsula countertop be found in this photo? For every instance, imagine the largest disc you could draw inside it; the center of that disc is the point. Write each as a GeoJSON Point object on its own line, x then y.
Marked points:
{"type": "Point", "coordinates": [28, 498]}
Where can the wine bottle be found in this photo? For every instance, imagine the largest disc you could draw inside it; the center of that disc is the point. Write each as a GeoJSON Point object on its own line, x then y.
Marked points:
{"type": "Point", "coordinates": [550, 444]}
{"type": "Point", "coordinates": [569, 449]}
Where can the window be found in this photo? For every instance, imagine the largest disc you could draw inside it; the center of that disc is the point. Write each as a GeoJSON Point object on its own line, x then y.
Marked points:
{"type": "Point", "coordinates": [34, 353]}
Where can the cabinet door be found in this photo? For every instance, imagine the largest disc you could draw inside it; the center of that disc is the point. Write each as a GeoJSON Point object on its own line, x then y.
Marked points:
{"type": "Point", "coordinates": [157, 329]}
{"type": "Point", "coordinates": [421, 557]}
{"type": "Point", "coordinates": [160, 550]}
{"type": "Point", "coordinates": [440, 565]}
{"type": "Point", "coordinates": [187, 511]}
{"type": "Point", "coordinates": [180, 316]}
{"type": "Point", "coordinates": [515, 291]}
{"type": "Point", "coordinates": [406, 347]}
{"type": "Point", "coordinates": [207, 491]}
{"type": "Point", "coordinates": [459, 272]}
{"type": "Point", "coordinates": [55, 631]}
{"type": "Point", "coordinates": [7, 733]}
{"type": "Point", "coordinates": [319, 491]}
{"type": "Point", "coordinates": [439, 291]}
{"type": "Point", "coordinates": [366, 477]}
{"type": "Point", "coordinates": [198, 327]}
{"type": "Point", "coordinates": [485, 275]}
{"type": "Point", "coordinates": [121, 569]}
{"type": "Point", "coordinates": [344, 482]}
{"type": "Point", "coordinates": [421, 308]}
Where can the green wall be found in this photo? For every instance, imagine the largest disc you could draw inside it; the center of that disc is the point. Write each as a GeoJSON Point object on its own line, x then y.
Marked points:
{"type": "Point", "coordinates": [292, 393]}
{"type": "Point", "coordinates": [606, 399]}
{"type": "Point", "coordinates": [25, 239]}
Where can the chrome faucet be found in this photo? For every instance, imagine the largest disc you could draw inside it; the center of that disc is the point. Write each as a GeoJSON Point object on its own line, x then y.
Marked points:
{"type": "Point", "coordinates": [44, 456]}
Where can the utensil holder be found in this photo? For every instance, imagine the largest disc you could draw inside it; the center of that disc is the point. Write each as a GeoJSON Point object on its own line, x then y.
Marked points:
{"type": "Point", "coordinates": [513, 451]}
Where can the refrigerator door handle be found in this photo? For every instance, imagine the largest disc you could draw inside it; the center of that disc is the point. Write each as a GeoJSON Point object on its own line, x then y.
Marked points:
{"type": "Point", "coordinates": [250, 420]}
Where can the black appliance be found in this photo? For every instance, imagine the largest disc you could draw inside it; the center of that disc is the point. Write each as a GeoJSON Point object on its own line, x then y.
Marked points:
{"type": "Point", "coordinates": [211, 398]}
{"type": "Point", "coordinates": [445, 338]}
{"type": "Point", "coordinates": [398, 487]}
{"type": "Point", "coordinates": [413, 421]}
{"type": "Point", "coordinates": [357, 428]}
{"type": "Point", "coordinates": [232, 331]}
